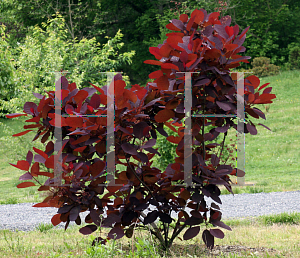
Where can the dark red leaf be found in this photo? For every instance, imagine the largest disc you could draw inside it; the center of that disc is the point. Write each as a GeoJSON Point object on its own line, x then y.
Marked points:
{"type": "Point", "coordinates": [56, 219]}
{"type": "Point", "coordinates": [155, 51]}
{"type": "Point", "coordinates": [129, 148]}
{"type": "Point", "coordinates": [26, 176]}
{"type": "Point", "coordinates": [143, 157]}
{"type": "Point", "coordinates": [74, 212]}
{"type": "Point", "coordinates": [162, 82]}
{"type": "Point", "coordinates": [95, 217]}
{"type": "Point", "coordinates": [223, 105]}
{"type": "Point", "coordinates": [80, 149]}
{"type": "Point", "coordinates": [90, 91]}
{"type": "Point", "coordinates": [153, 62]}
{"type": "Point", "coordinates": [80, 96]}
{"type": "Point", "coordinates": [49, 163]}
{"type": "Point", "coordinates": [164, 115]}
{"type": "Point", "coordinates": [244, 32]}
{"type": "Point", "coordinates": [265, 127]}
{"type": "Point", "coordinates": [141, 93]}
{"type": "Point", "coordinates": [116, 233]}
{"type": "Point", "coordinates": [191, 233]}
{"type": "Point", "coordinates": [174, 139]}
{"type": "Point", "coordinates": [30, 108]}
{"type": "Point", "coordinates": [139, 128]}
{"type": "Point", "coordinates": [223, 129]}
{"type": "Point", "coordinates": [220, 224]}
{"type": "Point", "coordinates": [208, 239]}
{"type": "Point", "coordinates": [151, 217]}
{"type": "Point", "coordinates": [169, 66]}
{"type": "Point", "coordinates": [89, 229]}
{"type": "Point", "coordinates": [215, 160]}
{"type": "Point", "coordinates": [165, 51]}
{"type": "Point", "coordinates": [15, 115]}
{"type": "Point", "coordinates": [22, 164]}
{"type": "Point", "coordinates": [254, 81]}
{"type": "Point", "coordinates": [184, 17]}
{"type": "Point", "coordinates": [44, 188]}
{"type": "Point", "coordinates": [22, 133]}
{"type": "Point", "coordinates": [37, 95]}
{"type": "Point", "coordinates": [193, 221]}
{"type": "Point", "coordinates": [251, 128]}
{"type": "Point", "coordinates": [43, 154]}
{"type": "Point", "coordinates": [216, 233]}
{"type": "Point", "coordinates": [97, 168]}
{"type": "Point", "coordinates": [74, 121]}
{"type": "Point", "coordinates": [39, 158]}
{"type": "Point", "coordinates": [25, 184]}
{"type": "Point", "coordinates": [267, 90]}
{"type": "Point", "coordinates": [65, 209]}
{"type": "Point", "coordinates": [149, 144]}
{"type": "Point", "coordinates": [165, 217]}
{"type": "Point", "coordinates": [47, 174]}
{"type": "Point", "coordinates": [41, 204]}
{"type": "Point", "coordinates": [95, 101]}
{"type": "Point", "coordinates": [170, 26]}
{"type": "Point", "coordinates": [29, 157]}
{"type": "Point", "coordinates": [190, 23]}
{"type": "Point", "coordinates": [263, 86]}
{"type": "Point", "coordinates": [184, 57]}
{"type": "Point", "coordinates": [240, 173]}
{"type": "Point", "coordinates": [199, 16]}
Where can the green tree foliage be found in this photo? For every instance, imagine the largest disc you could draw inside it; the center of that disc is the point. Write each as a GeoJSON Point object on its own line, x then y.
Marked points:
{"type": "Point", "coordinates": [274, 24]}
{"type": "Point", "coordinates": [50, 49]}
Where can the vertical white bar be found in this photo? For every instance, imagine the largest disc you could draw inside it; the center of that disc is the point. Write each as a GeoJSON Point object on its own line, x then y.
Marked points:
{"type": "Point", "coordinates": [57, 131]}
{"type": "Point", "coordinates": [110, 136]}
{"type": "Point", "coordinates": [240, 127]}
{"type": "Point", "coordinates": [188, 130]}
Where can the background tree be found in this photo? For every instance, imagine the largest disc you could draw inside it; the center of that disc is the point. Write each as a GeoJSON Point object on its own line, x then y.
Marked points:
{"type": "Point", "coordinates": [30, 66]}
{"type": "Point", "coordinates": [273, 23]}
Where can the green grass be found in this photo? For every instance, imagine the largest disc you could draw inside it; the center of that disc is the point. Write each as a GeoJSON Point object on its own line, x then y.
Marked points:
{"type": "Point", "coordinates": [42, 227]}
{"type": "Point", "coordinates": [282, 218]}
{"type": "Point", "coordinates": [12, 150]}
{"type": "Point", "coordinates": [272, 159]}
{"type": "Point", "coordinates": [47, 241]}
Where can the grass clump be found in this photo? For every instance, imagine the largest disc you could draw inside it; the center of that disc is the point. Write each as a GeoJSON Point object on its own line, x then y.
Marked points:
{"type": "Point", "coordinates": [282, 218]}
{"type": "Point", "coordinates": [44, 227]}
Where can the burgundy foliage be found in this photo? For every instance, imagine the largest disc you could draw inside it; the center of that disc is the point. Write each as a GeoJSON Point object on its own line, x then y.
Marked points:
{"type": "Point", "coordinates": [204, 44]}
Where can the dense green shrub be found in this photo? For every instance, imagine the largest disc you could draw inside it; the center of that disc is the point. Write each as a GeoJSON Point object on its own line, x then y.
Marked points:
{"type": "Point", "coordinates": [294, 56]}
{"type": "Point", "coordinates": [262, 67]}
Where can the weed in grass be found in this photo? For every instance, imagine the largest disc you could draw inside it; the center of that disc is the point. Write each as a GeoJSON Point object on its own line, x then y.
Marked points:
{"type": "Point", "coordinates": [283, 218]}
{"type": "Point", "coordinates": [235, 190]}
{"type": "Point", "coordinates": [263, 183]}
{"type": "Point", "coordinates": [108, 250]}
{"type": "Point", "coordinates": [11, 200]}
{"type": "Point", "coordinates": [255, 190]}
{"type": "Point", "coordinates": [42, 227]}
{"type": "Point", "coordinates": [144, 248]}
{"type": "Point", "coordinates": [13, 244]}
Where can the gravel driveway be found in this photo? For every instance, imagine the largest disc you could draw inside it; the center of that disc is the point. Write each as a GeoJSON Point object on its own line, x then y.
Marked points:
{"type": "Point", "coordinates": [25, 218]}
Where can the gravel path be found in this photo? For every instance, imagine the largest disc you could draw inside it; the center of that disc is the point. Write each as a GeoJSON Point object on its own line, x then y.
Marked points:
{"type": "Point", "coordinates": [25, 218]}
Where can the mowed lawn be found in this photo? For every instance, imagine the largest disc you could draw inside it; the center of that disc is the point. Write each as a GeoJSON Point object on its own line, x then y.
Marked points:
{"type": "Point", "coordinates": [272, 157]}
